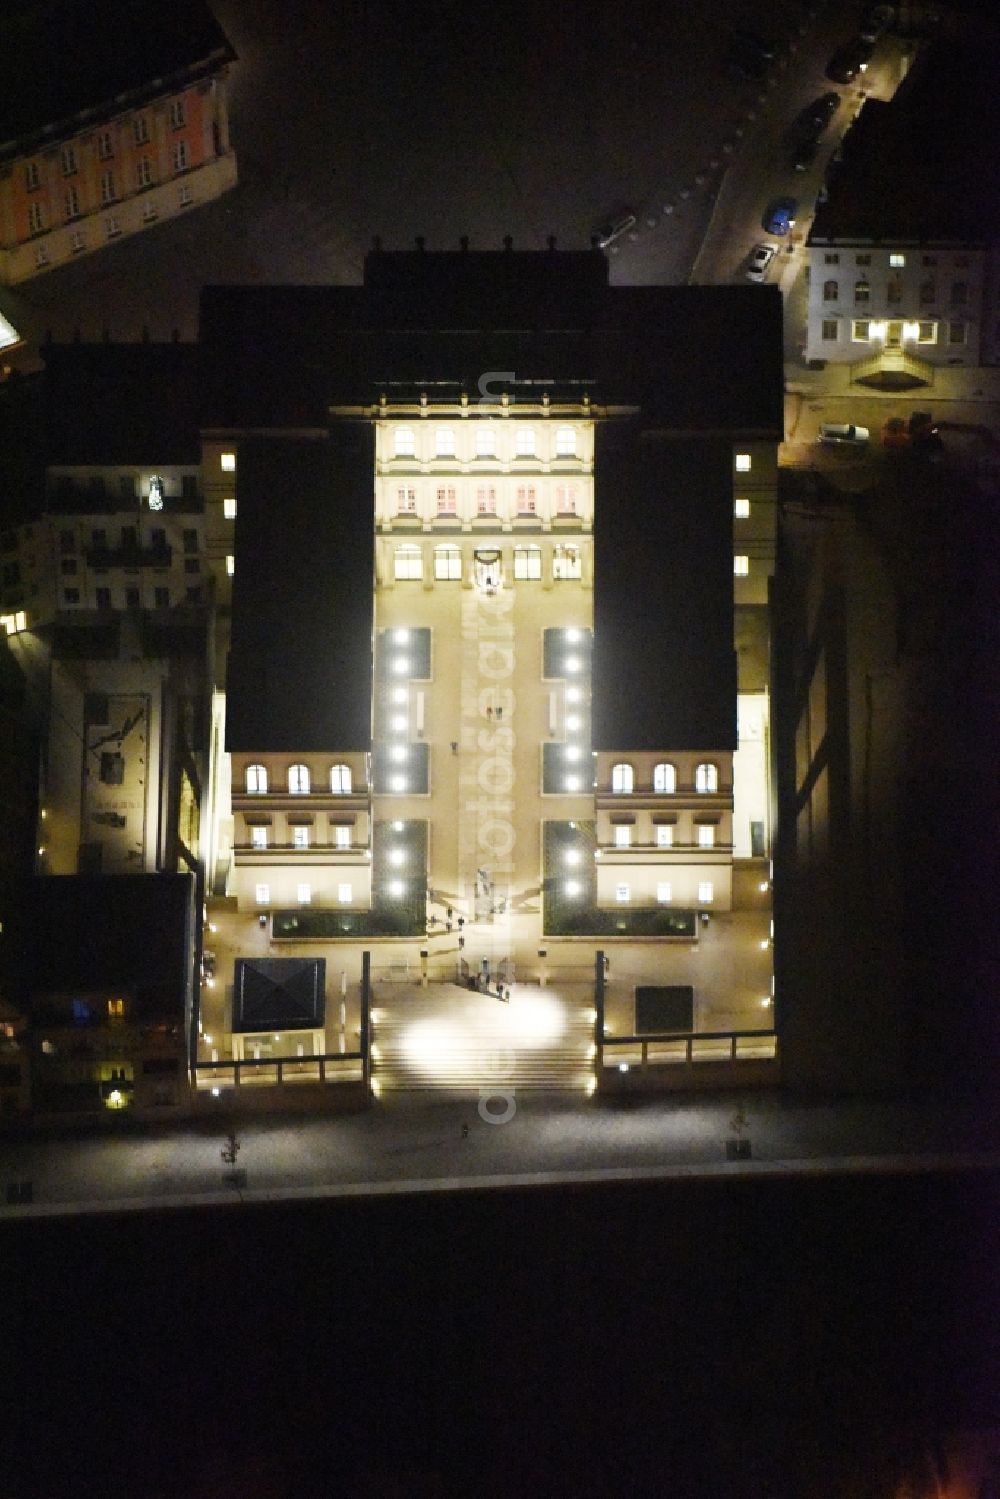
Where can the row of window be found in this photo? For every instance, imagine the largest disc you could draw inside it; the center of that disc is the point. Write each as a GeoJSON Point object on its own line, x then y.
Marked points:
{"type": "Point", "coordinates": [105, 146]}
{"type": "Point", "coordinates": [565, 498]}
{"type": "Point", "coordinates": [664, 892]}
{"type": "Point", "coordinates": [301, 836]}
{"type": "Point", "coordinates": [704, 833]}
{"type": "Point", "coordinates": [865, 330]}
{"type": "Point", "coordinates": [408, 564]}
{"type": "Point", "coordinates": [404, 442]}
{"type": "Point", "coordinates": [706, 777]}
{"type": "Point", "coordinates": [144, 177]}
{"type": "Point", "coordinates": [299, 779]}
{"type": "Point", "coordinates": [897, 260]}
{"type": "Point", "coordinates": [78, 241]}
{"type": "Point", "coordinates": [927, 291]}
{"type": "Point", "coordinates": [132, 597]}
{"type": "Point", "coordinates": [303, 894]}
{"type": "Point", "coordinates": [155, 539]}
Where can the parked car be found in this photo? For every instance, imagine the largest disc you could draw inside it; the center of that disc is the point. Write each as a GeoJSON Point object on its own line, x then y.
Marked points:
{"type": "Point", "coordinates": [760, 258]}
{"type": "Point", "coordinates": [849, 60]}
{"type": "Point", "coordinates": [875, 21]}
{"type": "Point", "coordinates": [817, 115]}
{"type": "Point", "coordinates": [843, 434]}
{"type": "Point", "coordinates": [780, 217]}
{"type": "Point", "coordinates": [613, 228]}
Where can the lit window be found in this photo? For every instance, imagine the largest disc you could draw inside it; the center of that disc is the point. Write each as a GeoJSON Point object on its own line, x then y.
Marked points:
{"type": "Point", "coordinates": [706, 836]}
{"type": "Point", "coordinates": [567, 563]}
{"type": "Point", "coordinates": [527, 564]}
{"type": "Point", "coordinates": [664, 777]}
{"type": "Point", "coordinates": [742, 463]}
{"type": "Point", "coordinates": [180, 156]}
{"type": "Point", "coordinates": [408, 563]}
{"type": "Point", "coordinates": [263, 895]}
{"type": "Point", "coordinates": [303, 894]}
{"type": "Point", "coordinates": [572, 887]}
{"type": "Point", "coordinates": [927, 333]}
{"type": "Point", "coordinates": [230, 564]}
{"type": "Point", "coordinates": [140, 130]}
{"type": "Point", "coordinates": [565, 497]}
{"type": "Point", "coordinates": [622, 777]}
{"type": "Point", "coordinates": [227, 462]}
{"type": "Point", "coordinates": [258, 837]}
{"type": "Point", "coordinates": [446, 500]}
{"type": "Point", "coordinates": [486, 443]}
{"type": "Point", "coordinates": [340, 778]}
{"type": "Point", "coordinates": [565, 442]}
{"type": "Point", "coordinates": [143, 172]}
{"type": "Point", "coordinates": [448, 564]}
{"type": "Point", "coordinates": [664, 892]}
{"type": "Point", "coordinates": [897, 260]}
{"type": "Point", "coordinates": [406, 500]}
{"type": "Point", "coordinates": [741, 509]}
{"type": "Point", "coordinates": [862, 291]}
{"type": "Point", "coordinates": [36, 218]}
{"type": "Point", "coordinates": [486, 500]}
{"type": "Point", "coordinates": [444, 442]}
{"type": "Point", "coordinates": [72, 202]}
{"type": "Point", "coordinates": [706, 777]}
{"type": "Point", "coordinates": [404, 443]}
{"type": "Point", "coordinates": [342, 835]}
{"type": "Point", "coordinates": [300, 837]}
{"type": "Point", "coordinates": [664, 835]}
{"type": "Point", "coordinates": [526, 499]}
{"type": "Point", "coordinates": [176, 114]}
{"type": "Point", "coordinates": [706, 892]}
{"type": "Point", "coordinates": [623, 894]}
{"type": "Point", "coordinates": [256, 779]}
{"type": "Point", "coordinates": [525, 442]}
{"type": "Point", "coordinates": [229, 509]}
{"type": "Point", "coordinates": [623, 835]}
{"type": "Point", "coordinates": [741, 565]}
{"type": "Point", "coordinates": [345, 894]}
{"type": "Point", "coordinates": [831, 291]}
{"type": "Point", "coordinates": [298, 779]}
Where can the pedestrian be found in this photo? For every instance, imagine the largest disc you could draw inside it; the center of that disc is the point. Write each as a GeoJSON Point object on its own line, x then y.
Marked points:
{"type": "Point", "coordinates": [499, 714]}
{"type": "Point", "coordinates": [489, 715]}
{"type": "Point", "coordinates": [454, 746]}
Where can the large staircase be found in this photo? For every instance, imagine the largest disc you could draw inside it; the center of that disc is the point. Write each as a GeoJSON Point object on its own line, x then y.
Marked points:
{"type": "Point", "coordinates": [448, 1038]}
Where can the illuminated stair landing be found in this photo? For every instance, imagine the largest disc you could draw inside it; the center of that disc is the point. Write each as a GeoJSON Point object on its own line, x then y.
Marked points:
{"type": "Point", "coordinates": [446, 1037]}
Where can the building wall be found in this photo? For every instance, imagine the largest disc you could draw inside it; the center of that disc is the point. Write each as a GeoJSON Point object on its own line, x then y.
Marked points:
{"type": "Point", "coordinates": [755, 479]}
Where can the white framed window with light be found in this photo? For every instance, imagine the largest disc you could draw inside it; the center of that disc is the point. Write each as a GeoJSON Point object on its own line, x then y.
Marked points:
{"type": "Point", "coordinates": [706, 892]}
{"type": "Point", "coordinates": [404, 442]}
{"type": "Point", "coordinates": [229, 509]}
{"type": "Point", "coordinates": [447, 499]}
{"type": "Point", "coordinates": [622, 777]}
{"type": "Point", "coordinates": [408, 564]}
{"type": "Point", "coordinates": [300, 836]}
{"type": "Point", "coordinates": [406, 500]}
{"type": "Point", "coordinates": [664, 777]}
{"type": "Point", "coordinates": [567, 564]}
{"type": "Point", "coordinates": [303, 893]}
{"type": "Point", "coordinates": [444, 442]}
{"type": "Point", "coordinates": [623, 835]}
{"type": "Point", "coordinates": [342, 835]}
{"type": "Point", "coordinates": [706, 777]}
{"type": "Point", "coordinates": [345, 894]}
{"type": "Point", "coordinates": [524, 442]}
{"type": "Point", "coordinates": [623, 894]}
{"type": "Point", "coordinates": [861, 330]}
{"type": "Point", "coordinates": [486, 500]}
{"type": "Point", "coordinates": [741, 509]}
{"type": "Point", "coordinates": [227, 462]}
{"type": "Point", "coordinates": [340, 779]}
{"type": "Point", "coordinates": [527, 564]}
{"type": "Point", "coordinates": [706, 835]}
{"type": "Point", "coordinates": [486, 442]}
{"type": "Point", "coordinates": [256, 780]}
{"type": "Point", "coordinates": [230, 565]}
{"type": "Point", "coordinates": [448, 564]}
{"type": "Point", "coordinates": [565, 442]}
{"type": "Point", "coordinates": [565, 498]}
{"type": "Point", "coordinates": [741, 565]}
{"type": "Point", "coordinates": [262, 895]}
{"type": "Point", "coordinates": [664, 892]}
{"type": "Point", "coordinates": [743, 462]}
{"type": "Point", "coordinates": [299, 780]}
{"type": "Point", "coordinates": [664, 835]}
{"type": "Point", "coordinates": [258, 836]}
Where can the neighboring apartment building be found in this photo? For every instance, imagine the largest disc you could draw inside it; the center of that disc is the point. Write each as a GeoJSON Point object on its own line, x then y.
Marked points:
{"type": "Point", "coordinates": [109, 123]}
{"type": "Point", "coordinates": [904, 251]}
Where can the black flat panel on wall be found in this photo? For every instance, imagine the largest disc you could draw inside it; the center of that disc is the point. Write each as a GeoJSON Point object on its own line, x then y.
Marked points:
{"type": "Point", "coordinates": [300, 664]}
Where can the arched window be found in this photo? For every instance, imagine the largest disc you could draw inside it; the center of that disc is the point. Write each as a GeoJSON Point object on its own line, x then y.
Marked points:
{"type": "Point", "coordinates": [256, 779]}
{"type": "Point", "coordinates": [408, 563]}
{"type": "Point", "coordinates": [622, 777]}
{"type": "Point", "coordinates": [664, 777]}
{"type": "Point", "coordinates": [404, 443]}
{"type": "Point", "coordinates": [527, 564]}
{"type": "Point", "coordinates": [862, 291]}
{"type": "Point", "coordinates": [706, 777]}
{"type": "Point", "coordinates": [340, 778]}
{"type": "Point", "coordinates": [448, 563]}
{"type": "Point", "coordinates": [298, 779]}
{"type": "Point", "coordinates": [565, 442]}
{"type": "Point", "coordinates": [566, 563]}
{"type": "Point", "coordinates": [831, 290]}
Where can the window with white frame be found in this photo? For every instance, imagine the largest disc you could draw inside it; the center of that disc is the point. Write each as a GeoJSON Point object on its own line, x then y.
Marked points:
{"type": "Point", "coordinates": [830, 330]}
{"type": "Point", "coordinates": [448, 564]}
{"type": "Point", "coordinates": [706, 776]}
{"type": "Point", "coordinates": [340, 779]}
{"type": "Point", "coordinates": [77, 241]}
{"type": "Point", "coordinates": [742, 463]}
{"type": "Point", "coordinates": [263, 895]}
{"type": "Point", "coordinates": [256, 780]}
{"type": "Point", "coordinates": [112, 226]}
{"type": "Point", "coordinates": [258, 836]}
{"type": "Point", "coordinates": [41, 255]}
{"type": "Point", "coordinates": [71, 202]}
{"type": "Point", "coordinates": [927, 333]}
{"type": "Point", "coordinates": [486, 442]}
{"type": "Point", "coordinates": [706, 835]}
{"type": "Point", "coordinates": [567, 563]}
{"type": "Point", "coordinates": [527, 564]}
{"type": "Point", "coordinates": [447, 499]}
{"type": "Point", "coordinates": [526, 499]}
{"type": "Point", "coordinates": [68, 160]}
{"type": "Point", "coordinates": [664, 892]}
{"type": "Point", "coordinates": [623, 894]}
{"type": "Point", "coordinates": [105, 146]}
{"type": "Point", "coordinates": [36, 218]}
{"type": "Point", "coordinates": [230, 564]}
{"type": "Point", "coordinates": [140, 130]}
{"type": "Point", "coordinates": [299, 780]}
{"type": "Point", "coordinates": [176, 114]}
{"type": "Point", "coordinates": [143, 172]}
{"type": "Point", "coordinates": [32, 177]}
{"type": "Point", "coordinates": [565, 442]}
{"type": "Point", "coordinates": [403, 442]}
{"type": "Point", "coordinates": [303, 894]}
{"type": "Point", "coordinates": [706, 892]}
{"type": "Point", "coordinates": [108, 192]}
{"type": "Point", "coordinates": [486, 500]}
{"type": "Point", "coordinates": [664, 835]}
{"type": "Point", "coordinates": [565, 498]}
{"type": "Point", "coordinates": [444, 442]}
{"type": "Point", "coordinates": [623, 835]}
{"type": "Point", "coordinates": [861, 331]}
{"type": "Point", "coordinates": [741, 565]}
{"type": "Point", "coordinates": [664, 777]}
{"type": "Point", "coordinates": [300, 836]}
{"type": "Point", "coordinates": [524, 442]}
{"type": "Point", "coordinates": [345, 894]}
{"type": "Point", "coordinates": [741, 509]}
{"type": "Point", "coordinates": [229, 509]}
{"type": "Point", "coordinates": [406, 499]}
{"type": "Point", "coordinates": [227, 462]}
{"type": "Point", "coordinates": [897, 260]}
{"type": "Point", "coordinates": [408, 563]}
{"type": "Point", "coordinates": [342, 835]}
{"type": "Point", "coordinates": [180, 156]}
{"type": "Point", "coordinates": [622, 777]}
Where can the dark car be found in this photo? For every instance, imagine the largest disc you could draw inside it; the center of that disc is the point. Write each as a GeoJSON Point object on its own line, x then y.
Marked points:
{"type": "Point", "coordinates": [805, 153]}
{"type": "Point", "coordinates": [817, 115]}
{"type": "Point", "coordinates": [780, 216]}
{"type": "Point", "coordinates": [849, 60]}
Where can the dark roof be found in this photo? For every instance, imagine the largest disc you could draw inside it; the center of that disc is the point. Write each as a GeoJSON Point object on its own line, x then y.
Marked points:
{"type": "Point", "coordinates": [300, 662]}
{"type": "Point", "coordinates": [709, 358]}
{"type": "Point", "coordinates": [921, 167]}
{"type": "Point", "coordinates": [664, 669]}
{"type": "Point", "coordinates": [62, 57]}
{"type": "Point", "coordinates": [279, 994]}
{"type": "Point", "coordinates": [121, 403]}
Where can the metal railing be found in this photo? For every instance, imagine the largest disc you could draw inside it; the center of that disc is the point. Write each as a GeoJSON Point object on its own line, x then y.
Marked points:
{"type": "Point", "coordinates": [688, 1049]}
{"type": "Point", "coordinates": [328, 1067]}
